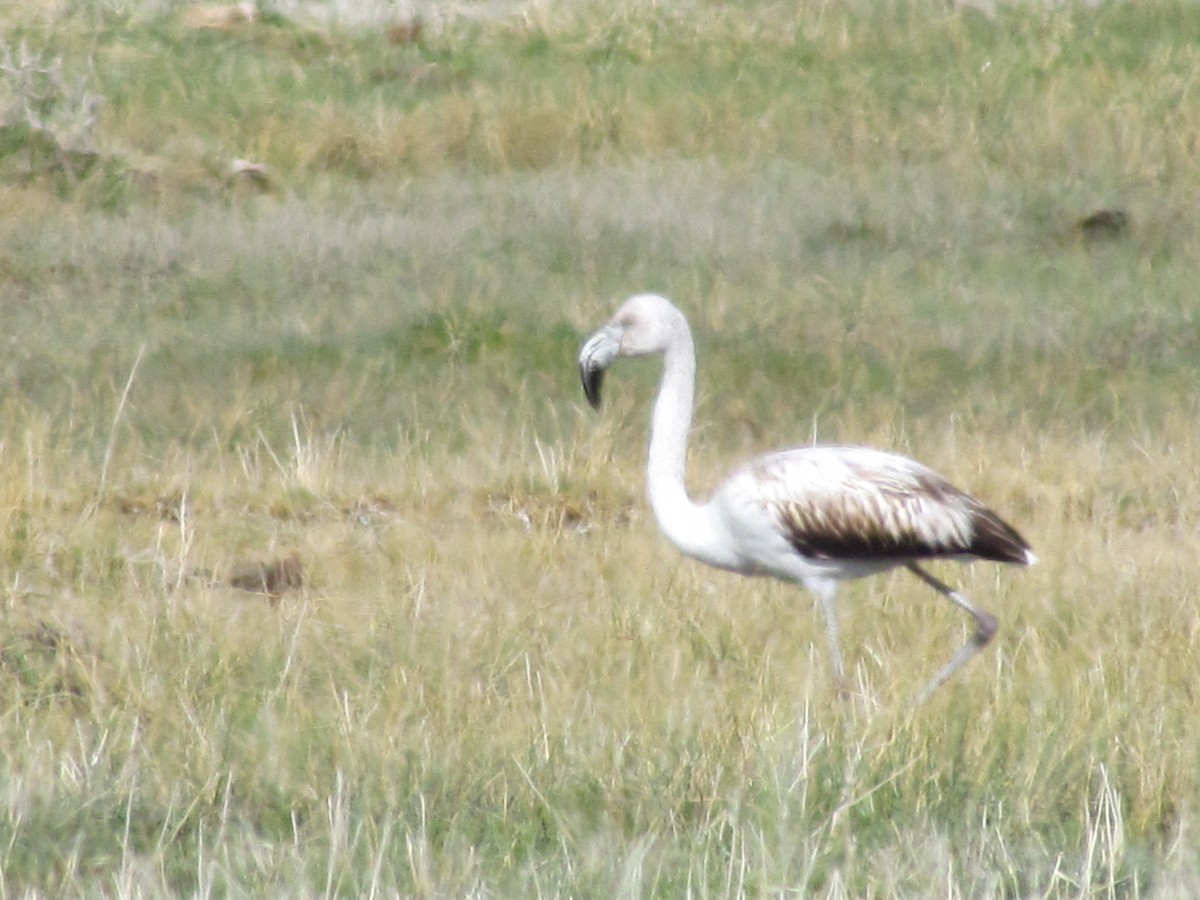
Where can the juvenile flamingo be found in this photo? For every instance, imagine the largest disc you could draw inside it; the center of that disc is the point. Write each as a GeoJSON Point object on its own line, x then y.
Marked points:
{"type": "Point", "coordinates": [815, 515]}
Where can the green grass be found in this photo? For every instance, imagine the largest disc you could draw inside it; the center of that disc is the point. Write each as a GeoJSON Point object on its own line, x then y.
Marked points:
{"type": "Point", "coordinates": [498, 679]}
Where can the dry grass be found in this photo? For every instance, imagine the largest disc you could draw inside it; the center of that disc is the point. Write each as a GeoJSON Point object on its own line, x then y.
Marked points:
{"type": "Point", "coordinates": [505, 693]}
{"type": "Point", "coordinates": [490, 676]}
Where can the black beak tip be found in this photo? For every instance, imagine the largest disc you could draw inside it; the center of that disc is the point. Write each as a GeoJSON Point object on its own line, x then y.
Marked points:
{"type": "Point", "coordinates": [591, 379]}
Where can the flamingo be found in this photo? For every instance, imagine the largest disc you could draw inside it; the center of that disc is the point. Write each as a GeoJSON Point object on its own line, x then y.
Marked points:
{"type": "Point", "coordinates": [814, 516]}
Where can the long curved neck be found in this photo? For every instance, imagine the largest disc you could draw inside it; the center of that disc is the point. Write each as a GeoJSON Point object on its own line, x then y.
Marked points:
{"type": "Point", "coordinates": [688, 525]}
{"type": "Point", "coordinates": [669, 431]}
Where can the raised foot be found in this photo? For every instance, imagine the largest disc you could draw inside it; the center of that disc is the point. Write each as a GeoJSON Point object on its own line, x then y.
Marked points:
{"type": "Point", "coordinates": [985, 628]}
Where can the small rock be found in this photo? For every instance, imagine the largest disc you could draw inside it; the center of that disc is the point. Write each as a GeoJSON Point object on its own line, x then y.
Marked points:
{"type": "Point", "coordinates": [405, 33]}
{"type": "Point", "coordinates": [1104, 223]}
{"type": "Point", "coordinates": [274, 578]}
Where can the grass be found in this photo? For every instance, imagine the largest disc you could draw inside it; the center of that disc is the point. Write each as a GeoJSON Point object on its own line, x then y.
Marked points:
{"type": "Point", "coordinates": [497, 679]}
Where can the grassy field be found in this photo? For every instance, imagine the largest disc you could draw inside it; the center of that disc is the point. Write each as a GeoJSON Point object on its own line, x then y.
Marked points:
{"type": "Point", "coordinates": [486, 674]}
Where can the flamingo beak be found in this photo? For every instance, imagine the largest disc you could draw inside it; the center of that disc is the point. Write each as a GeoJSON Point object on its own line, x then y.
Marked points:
{"type": "Point", "coordinates": [595, 357]}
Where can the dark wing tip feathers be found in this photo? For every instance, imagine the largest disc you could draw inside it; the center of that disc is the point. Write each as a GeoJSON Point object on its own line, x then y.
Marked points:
{"type": "Point", "coordinates": [996, 540]}
{"type": "Point", "coordinates": [991, 537]}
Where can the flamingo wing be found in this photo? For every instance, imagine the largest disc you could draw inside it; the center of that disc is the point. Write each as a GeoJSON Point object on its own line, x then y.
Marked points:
{"type": "Point", "coordinates": [854, 503]}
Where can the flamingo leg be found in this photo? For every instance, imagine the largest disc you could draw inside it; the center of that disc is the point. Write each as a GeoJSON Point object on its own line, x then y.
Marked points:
{"type": "Point", "coordinates": [985, 630]}
{"type": "Point", "coordinates": [826, 591]}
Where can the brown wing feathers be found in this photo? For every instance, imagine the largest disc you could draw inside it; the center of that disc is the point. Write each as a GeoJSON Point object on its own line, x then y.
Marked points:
{"type": "Point", "coordinates": [916, 515]}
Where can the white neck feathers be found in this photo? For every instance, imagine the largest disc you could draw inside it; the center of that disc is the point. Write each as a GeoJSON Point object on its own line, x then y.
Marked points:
{"type": "Point", "coordinates": [690, 526]}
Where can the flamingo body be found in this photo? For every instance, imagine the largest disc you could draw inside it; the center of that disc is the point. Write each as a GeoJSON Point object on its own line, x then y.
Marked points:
{"type": "Point", "coordinates": [813, 515]}
{"type": "Point", "coordinates": [855, 506]}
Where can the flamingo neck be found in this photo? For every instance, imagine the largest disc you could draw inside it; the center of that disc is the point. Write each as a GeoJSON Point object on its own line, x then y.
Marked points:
{"type": "Point", "coordinates": [686, 524]}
